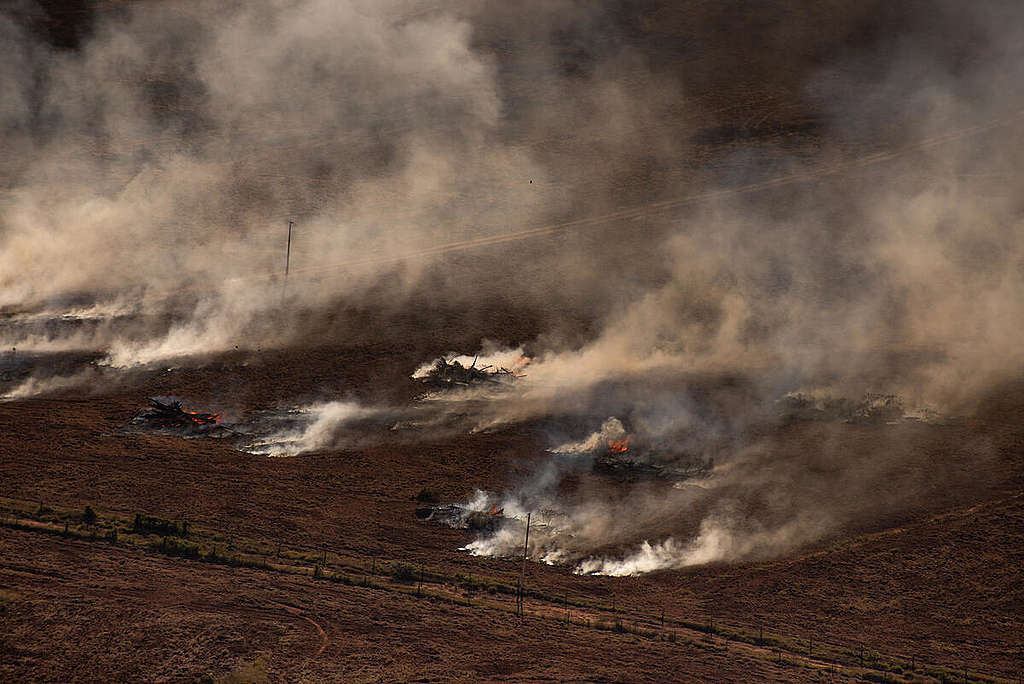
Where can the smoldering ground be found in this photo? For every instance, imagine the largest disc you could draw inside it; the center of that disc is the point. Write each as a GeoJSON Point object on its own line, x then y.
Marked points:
{"type": "Point", "coordinates": [825, 202]}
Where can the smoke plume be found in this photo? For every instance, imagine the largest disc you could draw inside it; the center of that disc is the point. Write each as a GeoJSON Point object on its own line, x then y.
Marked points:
{"type": "Point", "coordinates": [826, 204]}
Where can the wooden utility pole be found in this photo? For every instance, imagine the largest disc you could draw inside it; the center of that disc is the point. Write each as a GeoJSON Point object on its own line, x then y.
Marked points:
{"type": "Point", "coordinates": [287, 261]}
{"type": "Point", "coordinates": [288, 250]}
{"type": "Point", "coordinates": [522, 574]}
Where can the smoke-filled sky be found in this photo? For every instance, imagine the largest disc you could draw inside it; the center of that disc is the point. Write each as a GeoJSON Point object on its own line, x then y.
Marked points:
{"type": "Point", "coordinates": [164, 152]}
{"type": "Point", "coordinates": [816, 196]}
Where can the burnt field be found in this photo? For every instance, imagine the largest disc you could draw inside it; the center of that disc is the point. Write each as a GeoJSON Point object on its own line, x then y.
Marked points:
{"type": "Point", "coordinates": [312, 549]}
{"type": "Point", "coordinates": [618, 341]}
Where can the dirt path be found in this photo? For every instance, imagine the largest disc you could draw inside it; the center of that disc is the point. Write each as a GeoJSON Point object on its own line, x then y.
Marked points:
{"type": "Point", "coordinates": [297, 612]}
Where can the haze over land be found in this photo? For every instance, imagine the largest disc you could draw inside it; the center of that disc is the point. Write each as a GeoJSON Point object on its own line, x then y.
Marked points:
{"type": "Point", "coordinates": [766, 261]}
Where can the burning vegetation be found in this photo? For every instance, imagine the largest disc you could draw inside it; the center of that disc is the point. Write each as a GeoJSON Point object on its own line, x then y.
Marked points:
{"type": "Point", "coordinates": [465, 517]}
{"type": "Point", "coordinates": [613, 451]}
{"type": "Point", "coordinates": [166, 413]}
{"type": "Point", "coordinates": [618, 446]}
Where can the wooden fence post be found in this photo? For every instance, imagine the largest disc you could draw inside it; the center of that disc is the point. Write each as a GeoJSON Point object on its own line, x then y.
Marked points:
{"type": "Point", "coordinates": [521, 592]}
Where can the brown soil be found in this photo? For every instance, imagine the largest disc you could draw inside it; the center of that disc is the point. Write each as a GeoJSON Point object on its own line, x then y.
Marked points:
{"type": "Point", "coordinates": [939, 584]}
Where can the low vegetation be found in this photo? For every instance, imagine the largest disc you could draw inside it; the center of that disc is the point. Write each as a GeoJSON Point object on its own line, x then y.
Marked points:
{"type": "Point", "coordinates": [161, 526]}
{"type": "Point", "coordinates": [212, 547]}
{"type": "Point", "coordinates": [404, 572]}
{"type": "Point", "coordinates": [6, 599]}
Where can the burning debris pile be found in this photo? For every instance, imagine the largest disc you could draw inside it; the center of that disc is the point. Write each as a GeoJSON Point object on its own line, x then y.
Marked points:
{"type": "Point", "coordinates": [166, 413]}
{"type": "Point", "coordinates": [622, 462]}
{"type": "Point", "coordinates": [614, 452]}
{"type": "Point", "coordinates": [446, 374]}
{"type": "Point", "coordinates": [618, 462]}
{"type": "Point", "coordinates": [464, 517]}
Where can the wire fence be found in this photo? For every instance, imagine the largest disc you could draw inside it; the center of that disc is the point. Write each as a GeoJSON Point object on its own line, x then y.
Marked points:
{"type": "Point", "coordinates": [354, 567]}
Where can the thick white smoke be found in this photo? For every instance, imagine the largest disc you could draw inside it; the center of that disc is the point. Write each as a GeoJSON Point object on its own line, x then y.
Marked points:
{"type": "Point", "coordinates": [314, 427]}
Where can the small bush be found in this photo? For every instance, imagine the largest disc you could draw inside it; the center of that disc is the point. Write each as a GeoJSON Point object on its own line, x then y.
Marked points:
{"type": "Point", "coordinates": [255, 673]}
{"type": "Point", "coordinates": [161, 526]}
{"type": "Point", "coordinates": [6, 599]}
{"type": "Point", "coordinates": [428, 496]}
{"type": "Point", "coordinates": [404, 572]}
{"type": "Point", "coordinates": [172, 546]}
{"type": "Point", "coordinates": [89, 517]}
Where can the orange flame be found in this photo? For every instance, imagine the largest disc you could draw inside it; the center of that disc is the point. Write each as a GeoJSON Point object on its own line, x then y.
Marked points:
{"type": "Point", "coordinates": [497, 513]}
{"type": "Point", "coordinates": [202, 419]}
{"type": "Point", "coordinates": [618, 446]}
